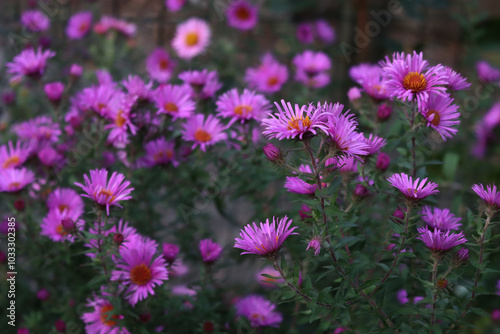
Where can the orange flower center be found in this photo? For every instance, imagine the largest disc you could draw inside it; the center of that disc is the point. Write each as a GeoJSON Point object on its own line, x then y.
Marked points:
{"type": "Point", "coordinates": [192, 39]}
{"type": "Point", "coordinates": [109, 195]}
{"type": "Point", "coordinates": [63, 207]}
{"type": "Point", "coordinates": [14, 185]}
{"type": "Point", "coordinates": [412, 192]}
{"type": "Point", "coordinates": [242, 13]}
{"type": "Point", "coordinates": [60, 230]}
{"type": "Point", "coordinates": [83, 27]}
{"type": "Point", "coordinates": [140, 274]}
{"type": "Point", "coordinates": [243, 110]}
{"type": "Point", "coordinates": [202, 135]}
{"type": "Point", "coordinates": [415, 82]}
{"type": "Point", "coordinates": [120, 120]}
{"type": "Point", "coordinates": [164, 64]}
{"type": "Point", "coordinates": [106, 318]}
{"type": "Point", "coordinates": [101, 106]}
{"type": "Point", "coordinates": [11, 161]}
{"type": "Point", "coordinates": [171, 107]}
{"type": "Point", "coordinates": [161, 154]}
{"type": "Point", "coordinates": [436, 119]}
{"type": "Point", "coordinates": [272, 81]}
{"type": "Point", "coordinates": [295, 123]}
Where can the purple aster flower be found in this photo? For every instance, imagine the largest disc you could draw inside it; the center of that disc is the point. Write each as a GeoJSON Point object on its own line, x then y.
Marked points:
{"type": "Point", "coordinates": [266, 239]}
{"type": "Point", "coordinates": [312, 68]}
{"type": "Point", "coordinates": [79, 25]}
{"type": "Point", "coordinates": [203, 132]}
{"type": "Point", "coordinates": [139, 269]}
{"type": "Point", "coordinates": [413, 190]}
{"type": "Point", "coordinates": [241, 15]}
{"type": "Point", "coordinates": [259, 311]}
{"type": "Point", "coordinates": [35, 21]}
{"type": "Point", "coordinates": [104, 192]}
{"type": "Point", "coordinates": [174, 100]}
{"type": "Point", "coordinates": [159, 65]}
{"type": "Point", "coordinates": [441, 219]}
{"type": "Point", "coordinates": [292, 123]}
{"type": "Point", "coordinates": [55, 226]}
{"type": "Point", "coordinates": [102, 319]}
{"type": "Point", "coordinates": [269, 76]}
{"type": "Point", "coordinates": [75, 70]}
{"type": "Point", "coordinates": [490, 196]}
{"type": "Point", "coordinates": [191, 38]}
{"type": "Point", "coordinates": [249, 105]}
{"type": "Point", "coordinates": [108, 23]}
{"type": "Point", "coordinates": [410, 77]}
{"type": "Point", "coordinates": [54, 91]}
{"type": "Point", "coordinates": [455, 80]}
{"type": "Point", "coordinates": [344, 163]}
{"type": "Point", "coordinates": [354, 93]}
{"type": "Point", "coordinates": [29, 63]}
{"type": "Point", "coordinates": [315, 243]}
{"type": "Point", "coordinates": [439, 241]}
{"type": "Point", "coordinates": [137, 88]}
{"type": "Point", "coordinates": [15, 179]}
{"type": "Point", "coordinates": [65, 200]}
{"type": "Point", "coordinates": [296, 185]}
{"type": "Point", "coordinates": [360, 73]}
{"type": "Point", "coordinates": [486, 72]}
{"type": "Point", "coordinates": [402, 296]}
{"type": "Point", "coordinates": [38, 131]}
{"type": "Point", "coordinates": [267, 282]}
{"type": "Point", "coordinates": [210, 251]}
{"type": "Point", "coordinates": [159, 152]}
{"type": "Point", "coordinates": [325, 31]}
{"type": "Point", "coordinates": [13, 156]}
{"type": "Point", "coordinates": [375, 143]}
{"type": "Point", "coordinates": [170, 252]}
{"type": "Point", "coordinates": [462, 256]}
{"type": "Point", "coordinates": [343, 135]}
{"type": "Point", "coordinates": [204, 84]}
{"type": "Point", "coordinates": [174, 5]}
{"type": "Point", "coordinates": [441, 114]}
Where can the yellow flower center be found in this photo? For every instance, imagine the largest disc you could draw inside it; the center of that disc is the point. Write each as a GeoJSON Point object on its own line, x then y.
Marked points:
{"type": "Point", "coordinates": [171, 107]}
{"type": "Point", "coordinates": [109, 195]}
{"type": "Point", "coordinates": [106, 318]}
{"type": "Point", "coordinates": [192, 39]}
{"type": "Point", "coordinates": [415, 81]}
{"type": "Point", "coordinates": [295, 123]}
{"type": "Point", "coordinates": [437, 118]}
{"type": "Point", "coordinates": [140, 274]}
{"type": "Point", "coordinates": [202, 135]}
{"type": "Point", "coordinates": [243, 110]}
{"type": "Point", "coordinates": [11, 161]}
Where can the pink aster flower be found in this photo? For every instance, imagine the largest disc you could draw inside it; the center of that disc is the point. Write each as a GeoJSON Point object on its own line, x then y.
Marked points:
{"type": "Point", "coordinates": [312, 68]}
{"type": "Point", "coordinates": [57, 229]}
{"type": "Point", "coordinates": [103, 318]}
{"type": "Point", "coordinates": [441, 114]}
{"type": "Point", "coordinates": [191, 38]}
{"type": "Point", "coordinates": [296, 185]}
{"type": "Point", "coordinates": [203, 132]}
{"type": "Point", "coordinates": [48, 156]}
{"type": "Point", "coordinates": [104, 192]}
{"type": "Point", "coordinates": [410, 77]}
{"type": "Point", "coordinates": [441, 219]}
{"type": "Point", "coordinates": [210, 251]}
{"type": "Point", "coordinates": [65, 200]}
{"type": "Point", "coordinates": [138, 88]}
{"type": "Point", "coordinates": [342, 131]}
{"type": "Point", "coordinates": [249, 105]}
{"type": "Point", "coordinates": [268, 77]}
{"type": "Point", "coordinates": [140, 269]}
{"type": "Point", "coordinates": [361, 72]}
{"type": "Point", "coordinates": [267, 282]}
{"type": "Point", "coordinates": [490, 196]}
{"type": "Point", "coordinates": [13, 156]}
{"type": "Point", "coordinates": [266, 239]}
{"type": "Point", "coordinates": [291, 122]}
{"type": "Point", "coordinates": [54, 91]}
{"type": "Point", "coordinates": [159, 152]}
{"type": "Point", "coordinates": [315, 243]}
{"type": "Point", "coordinates": [305, 32]}
{"type": "Point", "coordinates": [119, 112]}
{"type": "Point", "coordinates": [413, 190]}
{"type": "Point", "coordinates": [79, 25]}
{"type": "Point", "coordinates": [108, 23]}
{"type": "Point", "coordinates": [38, 131]}
{"type": "Point", "coordinates": [259, 311]}
{"type": "Point", "coordinates": [204, 84]}
{"type": "Point", "coordinates": [375, 143]}
{"type": "Point", "coordinates": [174, 100]}
{"type": "Point", "coordinates": [29, 63]}
{"type": "Point", "coordinates": [486, 72]}
{"type": "Point", "coordinates": [325, 31]}
{"type": "Point", "coordinates": [159, 65]}
{"type": "Point", "coordinates": [174, 5]}
{"type": "Point", "coordinates": [344, 163]}
{"type": "Point", "coordinates": [439, 241]}
{"type": "Point", "coordinates": [455, 80]}
{"type": "Point", "coordinates": [241, 15]}
{"type": "Point", "coordinates": [35, 21]}
{"type": "Point", "coordinates": [122, 235]}
{"type": "Point", "coordinates": [15, 179]}
{"type": "Point", "coordinates": [170, 252]}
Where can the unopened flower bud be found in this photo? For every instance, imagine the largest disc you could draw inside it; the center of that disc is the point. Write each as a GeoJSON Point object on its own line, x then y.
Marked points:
{"type": "Point", "coordinates": [118, 239]}
{"type": "Point", "coordinates": [304, 212]}
{"type": "Point", "coordinates": [19, 205]}
{"type": "Point", "coordinates": [273, 153]}
{"type": "Point", "coordinates": [75, 70]}
{"type": "Point", "coordinates": [384, 111]}
{"type": "Point", "coordinates": [60, 326]}
{"type": "Point", "coordinates": [208, 327]}
{"type": "Point", "coordinates": [398, 215]}
{"type": "Point", "coordinates": [170, 252]}
{"type": "Point", "coordinates": [383, 161]}
{"type": "Point", "coordinates": [68, 225]}
{"type": "Point", "coordinates": [354, 94]}
{"type": "Point", "coordinates": [145, 317]}
{"type": "Point", "coordinates": [54, 91]}
{"type": "Point", "coordinates": [361, 191]}
{"type": "Point", "coordinates": [462, 256]}
{"type": "Point", "coordinates": [441, 283]}
{"type": "Point", "coordinates": [43, 294]}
